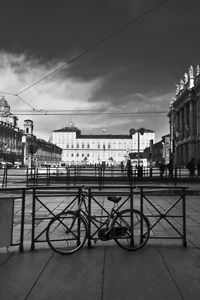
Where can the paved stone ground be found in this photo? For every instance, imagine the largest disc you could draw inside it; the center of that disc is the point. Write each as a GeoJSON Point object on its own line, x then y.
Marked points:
{"type": "Point", "coordinates": [163, 269]}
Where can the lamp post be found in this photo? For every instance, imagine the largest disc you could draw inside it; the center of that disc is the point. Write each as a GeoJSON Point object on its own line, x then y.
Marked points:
{"type": "Point", "coordinates": [104, 146]}
{"type": "Point", "coordinates": [139, 131]}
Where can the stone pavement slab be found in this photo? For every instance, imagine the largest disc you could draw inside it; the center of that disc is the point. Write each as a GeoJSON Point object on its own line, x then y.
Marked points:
{"type": "Point", "coordinates": [102, 273]}
{"type": "Point", "coordinates": [19, 273]}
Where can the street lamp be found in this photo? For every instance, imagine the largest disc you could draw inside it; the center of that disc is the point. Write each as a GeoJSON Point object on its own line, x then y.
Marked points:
{"type": "Point", "coordinates": [139, 131]}
{"type": "Point", "coordinates": [104, 146]}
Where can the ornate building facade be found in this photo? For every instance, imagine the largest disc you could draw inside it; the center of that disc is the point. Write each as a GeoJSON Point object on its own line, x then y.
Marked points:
{"type": "Point", "coordinates": [93, 149]}
{"type": "Point", "coordinates": [10, 135]}
{"type": "Point", "coordinates": [21, 147]}
{"type": "Point", "coordinates": [184, 119]}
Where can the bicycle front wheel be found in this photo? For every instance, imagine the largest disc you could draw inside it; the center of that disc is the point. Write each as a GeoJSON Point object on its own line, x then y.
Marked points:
{"type": "Point", "coordinates": [132, 229]}
{"type": "Point", "coordinates": [66, 232]}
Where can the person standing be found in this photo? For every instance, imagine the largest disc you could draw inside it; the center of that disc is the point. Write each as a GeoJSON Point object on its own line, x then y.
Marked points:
{"type": "Point", "coordinates": [171, 168]}
{"type": "Point", "coordinates": [191, 168]}
{"type": "Point", "coordinates": [129, 170]}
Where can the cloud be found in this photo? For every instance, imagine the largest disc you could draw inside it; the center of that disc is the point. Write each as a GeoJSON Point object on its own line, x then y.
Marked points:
{"type": "Point", "coordinates": [64, 92]}
{"type": "Point", "coordinates": [59, 92]}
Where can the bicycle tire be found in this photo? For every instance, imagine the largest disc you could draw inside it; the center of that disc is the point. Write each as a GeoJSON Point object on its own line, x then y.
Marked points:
{"type": "Point", "coordinates": [67, 232]}
{"type": "Point", "coordinates": [135, 237]}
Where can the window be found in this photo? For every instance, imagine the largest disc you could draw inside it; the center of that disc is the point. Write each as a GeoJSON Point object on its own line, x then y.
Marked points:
{"type": "Point", "coordinates": [72, 155]}
{"type": "Point", "coordinates": [77, 154]}
{"type": "Point", "coordinates": [88, 146]}
{"type": "Point", "coordinates": [77, 145]}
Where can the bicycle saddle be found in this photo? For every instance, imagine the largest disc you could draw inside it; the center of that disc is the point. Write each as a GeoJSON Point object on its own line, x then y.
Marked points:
{"type": "Point", "coordinates": [114, 199]}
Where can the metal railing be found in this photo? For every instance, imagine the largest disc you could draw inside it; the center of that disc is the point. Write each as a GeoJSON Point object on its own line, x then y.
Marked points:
{"type": "Point", "coordinates": [38, 204]}
{"type": "Point", "coordinates": [98, 174]}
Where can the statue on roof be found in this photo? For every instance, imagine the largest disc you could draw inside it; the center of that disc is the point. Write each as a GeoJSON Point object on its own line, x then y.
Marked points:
{"type": "Point", "coordinates": [191, 73]}
{"type": "Point", "coordinates": [185, 78]}
{"type": "Point", "coordinates": [181, 84]}
{"type": "Point", "coordinates": [71, 124]}
{"type": "Point", "coordinates": [198, 70]}
{"type": "Point", "coordinates": [177, 89]}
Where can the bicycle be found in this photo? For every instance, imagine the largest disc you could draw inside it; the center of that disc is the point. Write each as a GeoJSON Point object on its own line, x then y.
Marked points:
{"type": "Point", "coordinates": [67, 231]}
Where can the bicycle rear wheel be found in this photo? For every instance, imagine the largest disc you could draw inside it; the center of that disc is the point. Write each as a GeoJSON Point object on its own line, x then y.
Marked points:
{"type": "Point", "coordinates": [66, 232]}
{"type": "Point", "coordinates": [132, 229]}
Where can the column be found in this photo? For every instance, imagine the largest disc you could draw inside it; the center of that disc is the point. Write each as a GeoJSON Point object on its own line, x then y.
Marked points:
{"type": "Point", "coordinates": [185, 116]}
{"type": "Point", "coordinates": [191, 119]}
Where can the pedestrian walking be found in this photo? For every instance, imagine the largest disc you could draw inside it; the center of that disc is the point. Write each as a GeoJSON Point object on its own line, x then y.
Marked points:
{"type": "Point", "coordinates": [191, 168]}
{"type": "Point", "coordinates": [122, 167]}
{"type": "Point", "coordinates": [162, 169]}
{"type": "Point", "coordinates": [170, 168]}
{"type": "Point", "coordinates": [129, 170]}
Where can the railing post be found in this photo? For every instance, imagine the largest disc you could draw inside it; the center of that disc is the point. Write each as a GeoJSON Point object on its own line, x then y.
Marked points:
{"type": "Point", "coordinates": [21, 246]}
{"type": "Point", "coordinates": [131, 197]}
{"type": "Point", "coordinates": [151, 172]}
{"type": "Point", "coordinates": [131, 216]}
{"type": "Point", "coordinates": [141, 209]}
{"type": "Point", "coordinates": [89, 219]}
{"type": "Point", "coordinates": [5, 177]}
{"type": "Point", "coordinates": [184, 218]}
{"type": "Point", "coordinates": [27, 176]}
{"type": "Point", "coordinates": [33, 221]}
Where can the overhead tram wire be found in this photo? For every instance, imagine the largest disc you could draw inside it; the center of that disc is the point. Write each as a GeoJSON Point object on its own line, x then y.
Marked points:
{"type": "Point", "coordinates": [86, 113]}
{"type": "Point", "coordinates": [95, 45]}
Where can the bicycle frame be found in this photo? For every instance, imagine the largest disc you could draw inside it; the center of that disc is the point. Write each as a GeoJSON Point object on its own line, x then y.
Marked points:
{"type": "Point", "coordinates": [109, 221]}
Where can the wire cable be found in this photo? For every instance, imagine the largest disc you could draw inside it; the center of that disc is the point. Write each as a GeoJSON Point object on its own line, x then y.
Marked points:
{"type": "Point", "coordinates": [90, 113]}
{"type": "Point", "coordinates": [95, 45]}
{"type": "Point", "coordinates": [6, 93]}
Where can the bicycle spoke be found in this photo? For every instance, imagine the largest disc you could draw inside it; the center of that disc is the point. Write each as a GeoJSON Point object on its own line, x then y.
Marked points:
{"type": "Point", "coordinates": [67, 233]}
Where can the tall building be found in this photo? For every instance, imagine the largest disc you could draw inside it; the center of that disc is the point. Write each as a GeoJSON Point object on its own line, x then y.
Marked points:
{"type": "Point", "coordinates": [80, 148]}
{"type": "Point", "coordinates": [184, 118]}
{"type": "Point", "coordinates": [10, 135]}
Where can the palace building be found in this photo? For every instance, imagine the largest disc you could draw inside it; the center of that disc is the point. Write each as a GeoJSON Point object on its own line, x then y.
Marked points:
{"type": "Point", "coordinates": [80, 148]}
{"type": "Point", "coordinates": [184, 118]}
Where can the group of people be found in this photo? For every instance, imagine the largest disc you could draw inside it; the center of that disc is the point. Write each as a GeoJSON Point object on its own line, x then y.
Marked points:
{"type": "Point", "coordinates": [191, 166]}
{"type": "Point", "coordinates": [129, 169]}
{"type": "Point", "coordinates": [163, 167]}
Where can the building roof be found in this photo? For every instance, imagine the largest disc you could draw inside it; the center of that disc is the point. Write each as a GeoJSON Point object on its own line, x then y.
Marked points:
{"type": "Point", "coordinates": [67, 129]}
{"type": "Point", "coordinates": [97, 136]}
{"type": "Point", "coordinates": [104, 136]}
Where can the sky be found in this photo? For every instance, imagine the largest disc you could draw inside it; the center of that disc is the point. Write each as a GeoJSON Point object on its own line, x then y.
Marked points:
{"type": "Point", "coordinates": [126, 82]}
